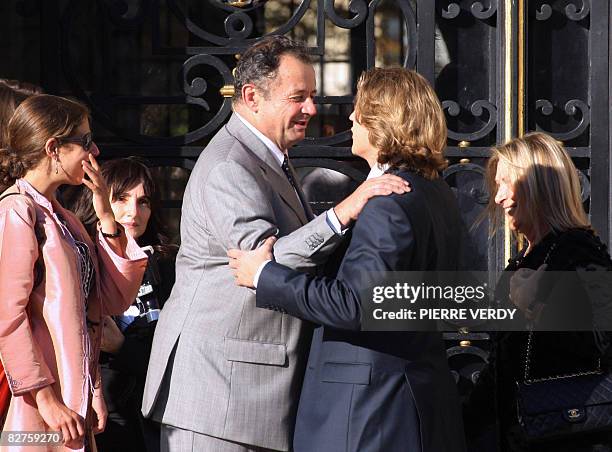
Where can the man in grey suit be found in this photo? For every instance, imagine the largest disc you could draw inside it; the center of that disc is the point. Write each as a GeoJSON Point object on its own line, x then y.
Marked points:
{"type": "Point", "coordinates": [224, 375]}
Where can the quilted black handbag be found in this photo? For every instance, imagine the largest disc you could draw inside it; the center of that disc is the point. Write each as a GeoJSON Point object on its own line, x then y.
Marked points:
{"type": "Point", "coordinates": [566, 405]}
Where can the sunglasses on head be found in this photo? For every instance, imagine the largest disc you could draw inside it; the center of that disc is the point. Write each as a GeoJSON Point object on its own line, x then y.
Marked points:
{"type": "Point", "coordinates": [85, 141]}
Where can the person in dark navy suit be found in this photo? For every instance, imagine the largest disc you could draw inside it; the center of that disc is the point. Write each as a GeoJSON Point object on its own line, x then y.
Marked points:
{"type": "Point", "coordinates": [376, 391]}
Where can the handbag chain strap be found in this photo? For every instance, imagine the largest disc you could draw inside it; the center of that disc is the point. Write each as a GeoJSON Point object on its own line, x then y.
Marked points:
{"type": "Point", "coordinates": [526, 376]}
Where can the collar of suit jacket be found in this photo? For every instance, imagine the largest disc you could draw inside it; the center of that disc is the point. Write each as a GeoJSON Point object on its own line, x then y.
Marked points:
{"type": "Point", "coordinates": [278, 154]}
{"type": "Point", "coordinates": [241, 132]}
{"type": "Point", "coordinates": [378, 170]}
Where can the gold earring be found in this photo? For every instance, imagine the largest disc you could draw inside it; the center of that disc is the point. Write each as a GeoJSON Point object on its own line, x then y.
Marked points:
{"type": "Point", "coordinates": [56, 164]}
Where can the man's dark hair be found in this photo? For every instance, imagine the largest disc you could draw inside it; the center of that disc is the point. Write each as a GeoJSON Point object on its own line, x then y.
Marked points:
{"type": "Point", "coordinates": [259, 64]}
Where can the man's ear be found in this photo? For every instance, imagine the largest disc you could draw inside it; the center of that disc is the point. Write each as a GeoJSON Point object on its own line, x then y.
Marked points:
{"type": "Point", "coordinates": [52, 147]}
{"type": "Point", "coordinates": [250, 97]}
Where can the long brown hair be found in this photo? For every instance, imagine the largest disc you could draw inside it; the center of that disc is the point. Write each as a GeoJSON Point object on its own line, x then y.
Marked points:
{"type": "Point", "coordinates": [37, 119]}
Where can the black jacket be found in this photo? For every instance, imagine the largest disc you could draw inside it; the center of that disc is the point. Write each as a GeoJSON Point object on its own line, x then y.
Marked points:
{"type": "Point", "coordinates": [554, 353]}
{"type": "Point", "coordinates": [123, 378]}
{"type": "Point", "coordinates": [375, 391]}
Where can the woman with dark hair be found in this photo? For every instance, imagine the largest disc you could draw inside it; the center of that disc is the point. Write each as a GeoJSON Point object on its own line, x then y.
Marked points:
{"type": "Point", "coordinates": [370, 391]}
{"type": "Point", "coordinates": [56, 283]}
{"type": "Point", "coordinates": [123, 176]}
{"type": "Point", "coordinates": [126, 343]}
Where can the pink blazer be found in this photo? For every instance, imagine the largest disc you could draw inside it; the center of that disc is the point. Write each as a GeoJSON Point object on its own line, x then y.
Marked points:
{"type": "Point", "coordinates": [44, 337]}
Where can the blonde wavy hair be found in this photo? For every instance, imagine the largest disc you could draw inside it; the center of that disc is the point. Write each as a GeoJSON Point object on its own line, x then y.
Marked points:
{"type": "Point", "coordinates": [546, 183]}
{"type": "Point", "coordinates": [404, 119]}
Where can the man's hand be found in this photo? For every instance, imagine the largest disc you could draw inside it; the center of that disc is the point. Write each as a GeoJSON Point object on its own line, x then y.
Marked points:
{"type": "Point", "coordinates": [246, 263]}
{"type": "Point", "coordinates": [349, 209]}
{"type": "Point", "coordinates": [523, 290]}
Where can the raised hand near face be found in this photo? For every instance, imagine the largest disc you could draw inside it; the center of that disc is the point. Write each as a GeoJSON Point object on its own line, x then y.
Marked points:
{"type": "Point", "coordinates": [99, 189]}
{"type": "Point", "coordinates": [102, 206]}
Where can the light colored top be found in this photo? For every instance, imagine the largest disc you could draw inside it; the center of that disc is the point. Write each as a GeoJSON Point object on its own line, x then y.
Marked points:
{"type": "Point", "coordinates": [377, 170]}
{"type": "Point", "coordinates": [44, 338]}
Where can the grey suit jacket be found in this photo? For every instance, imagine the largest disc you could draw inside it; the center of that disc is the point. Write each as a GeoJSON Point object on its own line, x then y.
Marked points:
{"type": "Point", "coordinates": [219, 365]}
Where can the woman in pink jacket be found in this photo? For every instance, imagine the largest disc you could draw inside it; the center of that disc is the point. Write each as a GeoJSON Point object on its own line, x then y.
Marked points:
{"type": "Point", "coordinates": [55, 282]}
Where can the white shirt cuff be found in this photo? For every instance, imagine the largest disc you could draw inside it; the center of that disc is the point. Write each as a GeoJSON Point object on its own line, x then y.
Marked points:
{"type": "Point", "coordinates": [258, 273]}
{"type": "Point", "coordinates": [334, 223]}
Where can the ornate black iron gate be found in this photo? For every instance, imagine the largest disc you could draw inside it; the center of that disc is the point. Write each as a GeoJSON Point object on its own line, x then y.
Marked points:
{"type": "Point", "coordinates": [157, 77]}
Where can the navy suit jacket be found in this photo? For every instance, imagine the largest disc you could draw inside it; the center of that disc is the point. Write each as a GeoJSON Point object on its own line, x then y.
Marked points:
{"type": "Point", "coordinates": [375, 391]}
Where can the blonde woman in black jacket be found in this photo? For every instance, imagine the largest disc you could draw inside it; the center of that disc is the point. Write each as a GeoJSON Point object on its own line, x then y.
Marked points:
{"type": "Point", "coordinates": [535, 184]}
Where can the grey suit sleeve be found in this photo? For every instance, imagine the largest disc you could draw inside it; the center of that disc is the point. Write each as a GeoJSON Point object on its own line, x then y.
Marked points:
{"type": "Point", "coordinates": [244, 217]}
{"type": "Point", "coordinates": [383, 241]}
